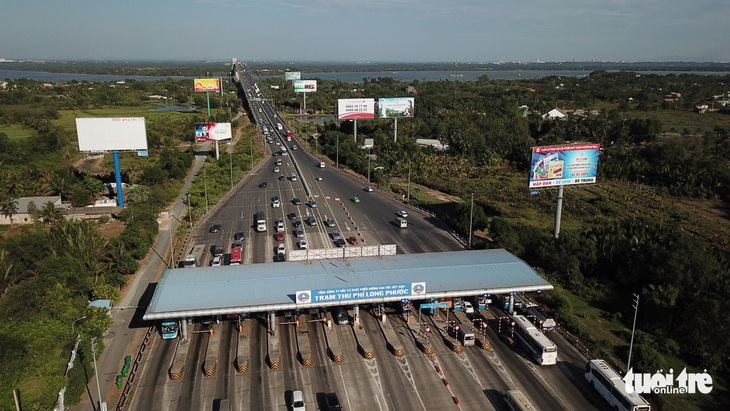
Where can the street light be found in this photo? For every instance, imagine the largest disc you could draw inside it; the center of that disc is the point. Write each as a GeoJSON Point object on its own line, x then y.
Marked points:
{"type": "Point", "coordinates": [471, 218]}
{"type": "Point", "coordinates": [96, 371]}
{"type": "Point", "coordinates": [74, 323]}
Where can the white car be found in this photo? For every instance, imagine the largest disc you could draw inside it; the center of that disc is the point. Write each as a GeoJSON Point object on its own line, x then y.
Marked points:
{"type": "Point", "coordinates": [368, 189]}
{"type": "Point", "coordinates": [281, 249]}
{"type": "Point", "coordinates": [467, 307]}
{"type": "Point", "coordinates": [216, 261]}
{"type": "Point", "coordinates": [297, 401]}
{"type": "Point", "coordinates": [303, 245]}
{"type": "Point", "coordinates": [402, 213]}
{"type": "Point", "coordinates": [276, 169]}
{"type": "Point", "coordinates": [276, 203]}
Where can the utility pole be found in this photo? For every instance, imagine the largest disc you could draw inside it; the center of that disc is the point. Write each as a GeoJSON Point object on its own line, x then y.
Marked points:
{"type": "Point", "coordinates": [633, 328]}
{"type": "Point", "coordinates": [471, 218]}
{"type": "Point", "coordinates": [102, 404]}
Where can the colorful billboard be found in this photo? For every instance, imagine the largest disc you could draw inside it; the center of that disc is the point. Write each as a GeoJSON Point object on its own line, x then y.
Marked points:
{"type": "Point", "coordinates": [292, 75]}
{"type": "Point", "coordinates": [207, 84]}
{"type": "Point", "coordinates": [352, 108]}
{"type": "Point", "coordinates": [395, 107]}
{"type": "Point", "coordinates": [305, 86]}
{"type": "Point", "coordinates": [109, 134]}
{"type": "Point", "coordinates": [212, 131]}
{"type": "Point", "coordinates": [564, 165]}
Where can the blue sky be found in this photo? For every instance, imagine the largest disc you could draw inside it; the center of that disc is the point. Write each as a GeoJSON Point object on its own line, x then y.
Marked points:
{"type": "Point", "coordinates": [367, 30]}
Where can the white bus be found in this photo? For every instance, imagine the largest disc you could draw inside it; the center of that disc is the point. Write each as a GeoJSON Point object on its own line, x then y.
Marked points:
{"type": "Point", "coordinates": [612, 388]}
{"type": "Point", "coordinates": [541, 319]}
{"type": "Point", "coordinates": [516, 401]}
{"type": "Point", "coordinates": [542, 350]}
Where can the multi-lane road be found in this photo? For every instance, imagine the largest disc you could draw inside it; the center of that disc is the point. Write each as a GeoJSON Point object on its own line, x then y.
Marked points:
{"type": "Point", "coordinates": [474, 379]}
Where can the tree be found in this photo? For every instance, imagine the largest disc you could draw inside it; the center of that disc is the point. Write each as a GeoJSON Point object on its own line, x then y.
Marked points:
{"type": "Point", "coordinates": [9, 207]}
{"type": "Point", "coordinates": [50, 214]}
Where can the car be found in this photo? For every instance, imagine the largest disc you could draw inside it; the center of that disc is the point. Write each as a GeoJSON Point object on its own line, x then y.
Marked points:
{"type": "Point", "coordinates": [335, 235]}
{"type": "Point", "coordinates": [298, 233]}
{"type": "Point", "coordinates": [311, 220]}
{"type": "Point", "coordinates": [279, 224]}
{"type": "Point", "coordinates": [303, 244]}
{"type": "Point", "coordinates": [281, 249]}
{"type": "Point", "coordinates": [329, 222]}
{"type": "Point", "coordinates": [293, 147]}
{"type": "Point", "coordinates": [318, 178]}
{"type": "Point", "coordinates": [340, 242]}
{"type": "Point", "coordinates": [238, 236]}
{"type": "Point", "coordinates": [401, 213]}
{"type": "Point", "coordinates": [279, 258]}
{"type": "Point", "coordinates": [297, 401]}
{"type": "Point", "coordinates": [292, 216]}
{"type": "Point", "coordinates": [276, 203]}
{"type": "Point", "coordinates": [263, 184]}
{"type": "Point", "coordinates": [312, 203]}
{"type": "Point", "coordinates": [355, 200]}
{"type": "Point", "coordinates": [215, 228]}
{"type": "Point", "coordinates": [216, 261]}
{"type": "Point", "coordinates": [341, 317]}
{"type": "Point", "coordinates": [296, 201]}
{"type": "Point", "coordinates": [278, 161]}
{"type": "Point", "coordinates": [274, 198]}
{"type": "Point", "coordinates": [368, 189]}
{"type": "Point", "coordinates": [467, 307]}
{"type": "Point", "coordinates": [296, 224]}
{"type": "Point", "coordinates": [352, 240]}
{"type": "Point", "coordinates": [279, 236]}
{"type": "Point", "coordinates": [236, 244]}
{"type": "Point", "coordinates": [281, 178]}
{"type": "Point", "coordinates": [276, 169]}
{"type": "Point", "coordinates": [332, 402]}
{"type": "Point", "coordinates": [278, 143]}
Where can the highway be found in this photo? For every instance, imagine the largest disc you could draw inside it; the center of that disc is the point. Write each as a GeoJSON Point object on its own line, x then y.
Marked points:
{"type": "Point", "coordinates": [375, 365]}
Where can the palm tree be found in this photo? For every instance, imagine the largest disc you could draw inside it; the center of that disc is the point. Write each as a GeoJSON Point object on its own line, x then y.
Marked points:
{"type": "Point", "coordinates": [50, 214]}
{"type": "Point", "coordinates": [9, 207]}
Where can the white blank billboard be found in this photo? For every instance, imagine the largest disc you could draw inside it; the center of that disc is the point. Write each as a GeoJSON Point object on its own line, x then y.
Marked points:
{"type": "Point", "coordinates": [111, 133]}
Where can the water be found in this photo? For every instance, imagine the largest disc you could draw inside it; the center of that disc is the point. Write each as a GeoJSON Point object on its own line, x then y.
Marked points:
{"type": "Point", "coordinates": [350, 77]}
{"type": "Point", "coordinates": [54, 77]}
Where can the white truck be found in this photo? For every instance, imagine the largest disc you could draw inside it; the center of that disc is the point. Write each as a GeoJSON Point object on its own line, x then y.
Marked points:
{"type": "Point", "coordinates": [195, 256]}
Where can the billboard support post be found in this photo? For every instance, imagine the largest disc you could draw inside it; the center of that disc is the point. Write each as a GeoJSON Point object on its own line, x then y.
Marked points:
{"type": "Point", "coordinates": [207, 100]}
{"type": "Point", "coordinates": [118, 176]}
{"type": "Point", "coordinates": [217, 152]}
{"type": "Point", "coordinates": [558, 211]}
{"type": "Point", "coordinates": [356, 130]}
{"type": "Point", "coordinates": [395, 130]}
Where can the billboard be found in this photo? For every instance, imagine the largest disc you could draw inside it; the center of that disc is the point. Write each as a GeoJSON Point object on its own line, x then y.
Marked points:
{"type": "Point", "coordinates": [111, 133]}
{"type": "Point", "coordinates": [352, 108]}
{"type": "Point", "coordinates": [212, 131]}
{"type": "Point", "coordinates": [395, 107]}
{"type": "Point", "coordinates": [564, 165]}
{"type": "Point", "coordinates": [207, 84]}
{"type": "Point", "coordinates": [292, 75]}
{"type": "Point", "coordinates": [384, 291]}
{"type": "Point", "coordinates": [305, 86]}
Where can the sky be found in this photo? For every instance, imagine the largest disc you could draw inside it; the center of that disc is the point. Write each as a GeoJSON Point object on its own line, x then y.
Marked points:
{"type": "Point", "coordinates": [367, 30]}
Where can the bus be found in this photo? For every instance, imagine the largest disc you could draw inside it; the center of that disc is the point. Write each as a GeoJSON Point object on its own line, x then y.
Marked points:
{"type": "Point", "coordinates": [542, 350]}
{"type": "Point", "coordinates": [168, 329]}
{"type": "Point", "coordinates": [540, 319]}
{"type": "Point", "coordinates": [517, 401]}
{"type": "Point", "coordinates": [612, 387]}
{"type": "Point", "coordinates": [236, 256]}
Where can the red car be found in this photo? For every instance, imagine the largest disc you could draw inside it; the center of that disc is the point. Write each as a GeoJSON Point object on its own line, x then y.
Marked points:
{"type": "Point", "coordinates": [352, 240]}
{"type": "Point", "coordinates": [279, 236]}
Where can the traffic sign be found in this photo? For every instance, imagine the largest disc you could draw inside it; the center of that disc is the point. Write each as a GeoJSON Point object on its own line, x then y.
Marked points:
{"type": "Point", "coordinates": [434, 305]}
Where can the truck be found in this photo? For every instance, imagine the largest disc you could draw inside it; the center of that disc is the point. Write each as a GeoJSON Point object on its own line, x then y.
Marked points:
{"type": "Point", "coordinates": [236, 256]}
{"type": "Point", "coordinates": [289, 135]}
{"type": "Point", "coordinates": [260, 218]}
{"type": "Point", "coordinates": [194, 257]}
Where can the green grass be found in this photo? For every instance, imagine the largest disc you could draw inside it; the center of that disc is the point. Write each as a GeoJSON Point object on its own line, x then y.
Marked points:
{"type": "Point", "coordinates": [17, 131]}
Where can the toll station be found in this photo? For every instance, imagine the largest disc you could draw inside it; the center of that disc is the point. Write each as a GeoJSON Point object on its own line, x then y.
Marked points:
{"type": "Point", "coordinates": [185, 294]}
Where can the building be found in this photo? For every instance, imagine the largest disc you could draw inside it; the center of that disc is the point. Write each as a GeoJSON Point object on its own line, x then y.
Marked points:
{"type": "Point", "coordinates": [557, 113]}
{"type": "Point", "coordinates": [22, 214]}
